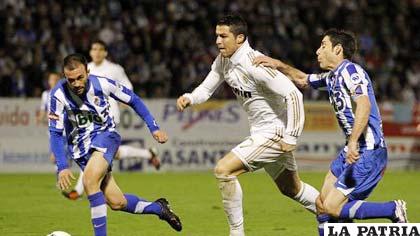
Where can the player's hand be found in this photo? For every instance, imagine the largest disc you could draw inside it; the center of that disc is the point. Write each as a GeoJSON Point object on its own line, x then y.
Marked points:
{"type": "Point", "coordinates": [182, 102]}
{"type": "Point", "coordinates": [64, 179]}
{"type": "Point", "coordinates": [267, 61]}
{"type": "Point", "coordinates": [285, 147]}
{"type": "Point", "coordinates": [160, 136]}
{"type": "Point", "coordinates": [352, 152]}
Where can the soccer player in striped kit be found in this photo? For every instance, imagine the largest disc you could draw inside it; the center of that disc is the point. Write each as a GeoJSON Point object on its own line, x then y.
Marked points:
{"type": "Point", "coordinates": [79, 106]}
{"type": "Point", "coordinates": [100, 66]}
{"type": "Point", "coordinates": [361, 163]}
{"type": "Point", "coordinates": [276, 116]}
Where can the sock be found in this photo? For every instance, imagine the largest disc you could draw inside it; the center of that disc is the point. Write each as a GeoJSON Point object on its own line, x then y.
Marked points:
{"type": "Point", "coordinates": [138, 205]}
{"type": "Point", "coordinates": [307, 197]}
{"type": "Point", "coordinates": [232, 202]}
{"type": "Point", "coordinates": [367, 210]}
{"type": "Point", "coordinates": [126, 151]}
{"type": "Point", "coordinates": [98, 213]}
{"type": "Point", "coordinates": [79, 188]}
{"type": "Point", "coordinates": [322, 219]}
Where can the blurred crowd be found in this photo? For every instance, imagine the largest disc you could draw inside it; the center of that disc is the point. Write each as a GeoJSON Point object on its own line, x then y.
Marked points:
{"type": "Point", "coordinates": [167, 47]}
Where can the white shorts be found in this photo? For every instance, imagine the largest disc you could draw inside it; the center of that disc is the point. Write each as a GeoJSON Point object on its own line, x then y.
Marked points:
{"type": "Point", "coordinates": [258, 151]}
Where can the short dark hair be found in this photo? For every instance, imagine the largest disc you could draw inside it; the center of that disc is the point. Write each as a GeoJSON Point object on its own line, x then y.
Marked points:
{"type": "Point", "coordinates": [236, 23]}
{"type": "Point", "coordinates": [73, 60]}
{"type": "Point", "coordinates": [345, 38]}
{"type": "Point", "coordinates": [102, 43]}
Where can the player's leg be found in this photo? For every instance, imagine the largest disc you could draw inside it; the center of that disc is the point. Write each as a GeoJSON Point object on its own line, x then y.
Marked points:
{"type": "Point", "coordinates": [226, 172]}
{"type": "Point", "coordinates": [285, 175]}
{"type": "Point", "coordinates": [137, 205]}
{"type": "Point", "coordinates": [95, 170]}
{"type": "Point", "coordinates": [322, 216]}
{"type": "Point", "coordinates": [128, 152]}
{"type": "Point", "coordinates": [355, 183]}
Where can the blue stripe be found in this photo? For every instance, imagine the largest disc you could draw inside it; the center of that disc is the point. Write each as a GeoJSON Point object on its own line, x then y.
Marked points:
{"type": "Point", "coordinates": [351, 69]}
{"type": "Point", "coordinates": [96, 199]}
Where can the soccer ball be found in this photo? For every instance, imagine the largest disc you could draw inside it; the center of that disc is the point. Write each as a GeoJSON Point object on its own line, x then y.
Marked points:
{"type": "Point", "coordinates": [59, 233]}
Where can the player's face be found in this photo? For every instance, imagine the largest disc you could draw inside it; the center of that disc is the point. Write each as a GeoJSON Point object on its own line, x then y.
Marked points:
{"type": "Point", "coordinates": [77, 78]}
{"type": "Point", "coordinates": [53, 79]}
{"type": "Point", "coordinates": [97, 53]}
{"type": "Point", "coordinates": [328, 56]}
{"type": "Point", "coordinates": [226, 41]}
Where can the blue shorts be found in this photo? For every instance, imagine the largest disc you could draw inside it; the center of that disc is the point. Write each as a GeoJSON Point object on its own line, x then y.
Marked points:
{"type": "Point", "coordinates": [107, 143]}
{"type": "Point", "coordinates": [358, 180]}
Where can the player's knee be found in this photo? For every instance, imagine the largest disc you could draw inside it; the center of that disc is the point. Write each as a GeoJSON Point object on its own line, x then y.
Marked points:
{"type": "Point", "coordinates": [90, 183]}
{"type": "Point", "coordinates": [319, 205]}
{"type": "Point", "coordinates": [221, 170]}
{"type": "Point", "coordinates": [115, 203]}
{"type": "Point", "coordinates": [331, 209]}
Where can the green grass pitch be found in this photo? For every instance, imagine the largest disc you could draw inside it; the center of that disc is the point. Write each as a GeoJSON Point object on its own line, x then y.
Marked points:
{"type": "Point", "coordinates": [32, 206]}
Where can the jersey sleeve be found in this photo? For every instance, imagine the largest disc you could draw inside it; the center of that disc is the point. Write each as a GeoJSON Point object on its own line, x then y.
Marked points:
{"type": "Point", "coordinates": [281, 85]}
{"type": "Point", "coordinates": [56, 112]}
{"type": "Point", "coordinates": [212, 81]}
{"type": "Point", "coordinates": [318, 81]}
{"type": "Point", "coordinates": [123, 78]}
{"type": "Point", "coordinates": [127, 96]}
{"type": "Point", "coordinates": [355, 80]}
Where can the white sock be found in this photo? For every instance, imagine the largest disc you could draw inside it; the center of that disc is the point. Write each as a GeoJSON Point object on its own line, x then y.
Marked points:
{"type": "Point", "coordinates": [307, 197]}
{"type": "Point", "coordinates": [126, 151]}
{"type": "Point", "coordinates": [79, 185]}
{"type": "Point", "coordinates": [232, 202]}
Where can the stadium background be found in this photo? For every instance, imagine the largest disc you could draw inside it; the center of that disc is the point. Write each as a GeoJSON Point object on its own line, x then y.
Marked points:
{"type": "Point", "coordinates": [166, 48]}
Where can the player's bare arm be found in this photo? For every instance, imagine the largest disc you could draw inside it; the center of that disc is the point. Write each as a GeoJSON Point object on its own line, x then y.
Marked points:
{"type": "Point", "coordinates": [297, 76]}
{"type": "Point", "coordinates": [182, 102]}
{"type": "Point", "coordinates": [360, 122]}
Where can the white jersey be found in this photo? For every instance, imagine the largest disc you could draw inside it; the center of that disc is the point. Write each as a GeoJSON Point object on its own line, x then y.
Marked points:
{"type": "Point", "coordinates": [115, 72]}
{"type": "Point", "coordinates": [270, 99]}
{"type": "Point", "coordinates": [44, 101]}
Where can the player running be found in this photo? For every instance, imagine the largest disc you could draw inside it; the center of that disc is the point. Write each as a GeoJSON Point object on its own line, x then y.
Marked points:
{"type": "Point", "coordinates": [100, 66]}
{"type": "Point", "coordinates": [79, 106]}
{"type": "Point", "coordinates": [275, 112]}
{"type": "Point", "coordinates": [361, 163]}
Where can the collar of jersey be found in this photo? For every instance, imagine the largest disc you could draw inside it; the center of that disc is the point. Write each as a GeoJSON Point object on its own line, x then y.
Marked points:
{"type": "Point", "coordinates": [244, 48]}
{"type": "Point", "coordinates": [339, 68]}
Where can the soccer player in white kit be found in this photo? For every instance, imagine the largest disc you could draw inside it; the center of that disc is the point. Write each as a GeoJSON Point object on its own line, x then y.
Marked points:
{"type": "Point", "coordinates": [275, 113]}
{"type": "Point", "coordinates": [100, 66]}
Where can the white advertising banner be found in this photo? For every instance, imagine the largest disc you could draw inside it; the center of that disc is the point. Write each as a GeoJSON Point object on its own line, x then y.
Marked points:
{"type": "Point", "coordinates": [198, 137]}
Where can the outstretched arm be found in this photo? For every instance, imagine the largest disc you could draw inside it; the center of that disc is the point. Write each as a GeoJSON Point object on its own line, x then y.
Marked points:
{"type": "Point", "coordinates": [297, 76]}
{"type": "Point", "coordinates": [127, 96]}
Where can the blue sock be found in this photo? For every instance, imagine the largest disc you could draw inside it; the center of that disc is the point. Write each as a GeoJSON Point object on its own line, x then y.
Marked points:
{"type": "Point", "coordinates": [322, 219]}
{"type": "Point", "coordinates": [138, 205]}
{"type": "Point", "coordinates": [367, 210]}
{"type": "Point", "coordinates": [98, 213]}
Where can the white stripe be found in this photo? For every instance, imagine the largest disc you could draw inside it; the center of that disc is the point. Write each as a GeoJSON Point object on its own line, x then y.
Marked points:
{"type": "Point", "coordinates": [354, 208]}
{"type": "Point", "coordinates": [369, 138]}
{"type": "Point", "coordinates": [140, 207]}
{"type": "Point", "coordinates": [98, 211]}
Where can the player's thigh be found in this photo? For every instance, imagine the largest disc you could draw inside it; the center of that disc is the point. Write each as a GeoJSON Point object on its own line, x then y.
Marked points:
{"type": "Point", "coordinates": [257, 150]}
{"type": "Point", "coordinates": [328, 185]}
{"type": "Point", "coordinates": [334, 202]}
{"type": "Point", "coordinates": [113, 194]}
{"type": "Point", "coordinates": [95, 170]}
{"type": "Point", "coordinates": [230, 164]}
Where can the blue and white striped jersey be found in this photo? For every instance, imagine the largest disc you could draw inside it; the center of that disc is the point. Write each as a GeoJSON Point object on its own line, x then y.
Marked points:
{"type": "Point", "coordinates": [344, 84]}
{"type": "Point", "coordinates": [83, 117]}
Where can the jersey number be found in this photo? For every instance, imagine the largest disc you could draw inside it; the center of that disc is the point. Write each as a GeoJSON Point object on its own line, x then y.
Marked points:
{"type": "Point", "coordinates": [339, 102]}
